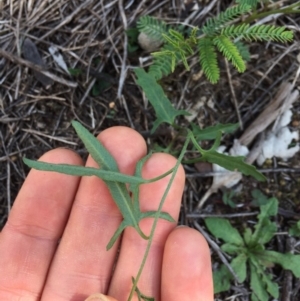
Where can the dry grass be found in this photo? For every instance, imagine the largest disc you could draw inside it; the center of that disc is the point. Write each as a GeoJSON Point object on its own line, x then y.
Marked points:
{"type": "Point", "coordinates": [90, 35]}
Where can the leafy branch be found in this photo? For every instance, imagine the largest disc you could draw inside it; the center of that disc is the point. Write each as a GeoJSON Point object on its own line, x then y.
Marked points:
{"type": "Point", "coordinates": [250, 251]}
{"type": "Point", "coordinates": [115, 181]}
{"type": "Point", "coordinates": [217, 34]}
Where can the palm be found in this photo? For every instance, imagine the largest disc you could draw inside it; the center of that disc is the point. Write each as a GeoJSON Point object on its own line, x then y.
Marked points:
{"type": "Point", "coordinates": [80, 212]}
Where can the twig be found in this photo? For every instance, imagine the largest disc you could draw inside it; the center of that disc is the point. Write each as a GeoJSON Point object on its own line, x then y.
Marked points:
{"type": "Point", "coordinates": [288, 50]}
{"type": "Point", "coordinates": [217, 249]}
{"type": "Point", "coordinates": [68, 19]}
{"type": "Point", "coordinates": [49, 136]}
{"type": "Point", "coordinates": [18, 60]}
{"type": "Point", "coordinates": [123, 68]}
{"type": "Point", "coordinates": [288, 276]}
{"type": "Point", "coordinates": [233, 95]}
{"type": "Point", "coordinates": [203, 215]}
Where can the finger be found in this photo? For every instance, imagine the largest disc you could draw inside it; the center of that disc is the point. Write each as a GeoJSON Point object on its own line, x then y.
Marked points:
{"type": "Point", "coordinates": [186, 270]}
{"type": "Point", "coordinates": [100, 297]}
{"type": "Point", "coordinates": [133, 247]}
{"type": "Point", "coordinates": [82, 265]}
{"type": "Point", "coordinates": [35, 224]}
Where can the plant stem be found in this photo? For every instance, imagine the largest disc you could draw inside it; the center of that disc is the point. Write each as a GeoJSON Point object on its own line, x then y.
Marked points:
{"type": "Point", "coordinates": [286, 10]}
{"type": "Point", "coordinates": [157, 217]}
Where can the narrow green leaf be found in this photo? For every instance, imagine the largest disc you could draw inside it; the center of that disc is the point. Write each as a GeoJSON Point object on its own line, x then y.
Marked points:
{"type": "Point", "coordinates": [176, 35]}
{"type": "Point", "coordinates": [135, 188]}
{"type": "Point", "coordinates": [259, 198]}
{"type": "Point", "coordinates": [265, 229]}
{"type": "Point", "coordinates": [117, 189]}
{"type": "Point", "coordinates": [163, 215]}
{"type": "Point", "coordinates": [221, 228]}
{"type": "Point", "coordinates": [295, 229]}
{"type": "Point", "coordinates": [267, 285]}
{"type": "Point", "coordinates": [247, 236]}
{"type": "Point", "coordinates": [272, 287]}
{"type": "Point", "coordinates": [233, 164]}
{"type": "Point", "coordinates": [232, 249]}
{"type": "Point", "coordinates": [98, 152]}
{"type": "Point", "coordinates": [257, 285]}
{"type": "Point", "coordinates": [228, 162]}
{"type": "Point", "coordinates": [211, 132]}
{"type": "Point", "coordinates": [164, 110]}
{"type": "Point", "coordinates": [221, 279]}
{"type": "Point", "coordinates": [239, 266]}
{"type": "Point", "coordinates": [140, 295]}
{"type": "Point", "coordinates": [288, 261]}
{"type": "Point", "coordinates": [116, 235]}
{"type": "Point", "coordinates": [170, 40]}
{"type": "Point", "coordinates": [76, 170]}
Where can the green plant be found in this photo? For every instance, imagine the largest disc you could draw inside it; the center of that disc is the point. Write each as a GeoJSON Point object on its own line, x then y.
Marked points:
{"type": "Point", "coordinates": [218, 34]}
{"type": "Point", "coordinates": [250, 253]}
{"type": "Point", "coordinates": [227, 198]}
{"type": "Point", "coordinates": [295, 230]}
{"type": "Point", "coordinates": [116, 182]}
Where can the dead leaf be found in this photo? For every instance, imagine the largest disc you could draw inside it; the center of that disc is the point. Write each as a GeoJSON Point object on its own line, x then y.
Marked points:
{"type": "Point", "coordinates": [31, 53]}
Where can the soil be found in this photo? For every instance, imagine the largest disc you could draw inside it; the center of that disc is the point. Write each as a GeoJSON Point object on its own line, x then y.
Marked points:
{"type": "Point", "coordinates": [101, 92]}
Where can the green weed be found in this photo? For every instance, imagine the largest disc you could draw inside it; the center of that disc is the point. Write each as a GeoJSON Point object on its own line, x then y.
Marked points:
{"type": "Point", "coordinates": [250, 256]}
{"type": "Point", "coordinates": [218, 34]}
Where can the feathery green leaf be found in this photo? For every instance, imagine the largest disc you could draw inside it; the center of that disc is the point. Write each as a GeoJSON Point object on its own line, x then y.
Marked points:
{"type": "Point", "coordinates": [258, 32]}
{"type": "Point", "coordinates": [214, 25]}
{"type": "Point", "coordinates": [243, 50]}
{"type": "Point", "coordinates": [164, 110]}
{"type": "Point", "coordinates": [230, 51]}
{"type": "Point", "coordinates": [252, 3]}
{"type": "Point", "coordinates": [153, 27]}
{"type": "Point", "coordinates": [208, 59]}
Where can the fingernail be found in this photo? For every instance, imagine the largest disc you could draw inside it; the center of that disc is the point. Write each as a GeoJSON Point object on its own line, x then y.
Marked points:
{"type": "Point", "coordinates": [97, 297]}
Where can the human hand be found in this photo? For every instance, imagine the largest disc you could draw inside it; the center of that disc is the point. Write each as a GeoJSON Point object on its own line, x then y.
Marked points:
{"type": "Point", "coordinates": [53, 246]}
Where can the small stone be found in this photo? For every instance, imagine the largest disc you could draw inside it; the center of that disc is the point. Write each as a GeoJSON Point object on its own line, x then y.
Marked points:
{"type": "Point", "coordinates": [149, 44]}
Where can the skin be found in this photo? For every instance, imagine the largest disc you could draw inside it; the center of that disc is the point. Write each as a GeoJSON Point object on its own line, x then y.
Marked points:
{"type": "Point", "coordinates": [53, 244]}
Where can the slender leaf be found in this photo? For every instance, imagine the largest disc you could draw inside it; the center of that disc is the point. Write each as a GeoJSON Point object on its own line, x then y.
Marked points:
{"type": "Point", "coordinates": [288, 261]}
{"type": "Point", "coordinates": [239, 266]}
{"type": "Point", "coordinates": [257, 285]}
{"type": "Point", "coordinates": [265, 229]}
{"type": "Point", "coordinates": [164, 110]}
{"type": "Point", "coordinates": [233, 164]}
{"type": "Point", "coordinates": [221, 279]}
{"type": "Point", "coordinates": [211, 132]}
{"type": "Point", "coordinates": [232, 249]}
{"type": "Point", "coordinates": [221, 228]}
{"type": "Point", "coordinates": [76, 170]}
{"type": "Point", "coordinates": [98, 152]}
{"type": "Point", "coordinates": [295, 230]}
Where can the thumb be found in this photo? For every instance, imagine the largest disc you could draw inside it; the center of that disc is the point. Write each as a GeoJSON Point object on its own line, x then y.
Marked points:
{"type": "Point", "coordinates": [99, 297]}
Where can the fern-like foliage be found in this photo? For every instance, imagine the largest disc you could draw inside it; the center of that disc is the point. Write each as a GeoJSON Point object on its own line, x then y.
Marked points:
{"type": "Point", "coordinates": [243, 50]}
{"type": "Point", "coordinates": [208, 59]}
{"type": "Point", "coordinates": [258, 32]}
{"type": "Point", "coordinates": [218, 36]}
{"type": "Point", "coordinates": [152, 27]}
{"type": "Point", "coordinates": [164, 62]}
{"type": "Point", "coordinates": [214, 25]}
{"type": "Point", "coordinates": [230, 51]}
{"type": "Point", "coordinates": [176, 49]}
{"type": "Point", "coordinates": [252, 3]}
